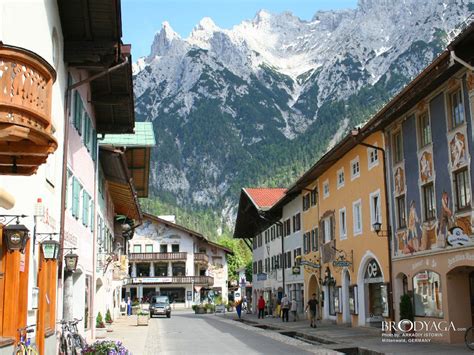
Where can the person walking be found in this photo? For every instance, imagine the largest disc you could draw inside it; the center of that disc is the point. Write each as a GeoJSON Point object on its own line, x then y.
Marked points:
{"type": "Point", "coordinates": [278, 308]}
{"type": "Point", "coordinates": [261, 307]}
{"type": "Point", "coordinates": [238, 308]}
{"type": "Point", "coordinates": [129, 306]}
{"type": "Point", "coordinates": [313, 307]}
{"type": "Point", "coordinates": [294, 310]}
{"type": "Point", "coordinates": [285, 307]}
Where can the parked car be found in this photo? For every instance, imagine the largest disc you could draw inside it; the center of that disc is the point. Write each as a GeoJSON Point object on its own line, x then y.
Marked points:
{"type": "Point", "coordinates": [160, 305]}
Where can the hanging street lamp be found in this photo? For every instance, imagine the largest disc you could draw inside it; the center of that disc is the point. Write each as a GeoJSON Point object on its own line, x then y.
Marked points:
{"type": "Point", "coordinates": [16, 236]}
{"type": "Point", "coordinates": [71, 261]}
{"type": "Point", "coordinates": [50, 249]}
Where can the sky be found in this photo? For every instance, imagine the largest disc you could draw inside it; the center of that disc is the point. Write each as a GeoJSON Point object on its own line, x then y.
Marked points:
{"type": "Point", "coordinates": [141, 19]}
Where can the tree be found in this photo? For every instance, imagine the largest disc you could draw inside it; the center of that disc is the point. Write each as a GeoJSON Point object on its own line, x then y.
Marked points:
{"type": "Point", "coordinates": [241, 257]}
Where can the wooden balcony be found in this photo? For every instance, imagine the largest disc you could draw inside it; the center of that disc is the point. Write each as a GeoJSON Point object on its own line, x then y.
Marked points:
{"type": "Point", "coordinates": [196, 280]}
{"type": "Point", "coordinates": [157, 256]}
{"type": "Point", "coordinates": [26, 136]}
{"type": "Point", "coordinates": [201, 258]}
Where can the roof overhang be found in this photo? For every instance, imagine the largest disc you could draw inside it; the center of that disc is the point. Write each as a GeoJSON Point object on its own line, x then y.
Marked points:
{"type": "Point", "coordinates": [92, 31]}
{"type": "Point", "coordinates": [120, 183]}
{"type": "Point", "coordinates": [252, 219]}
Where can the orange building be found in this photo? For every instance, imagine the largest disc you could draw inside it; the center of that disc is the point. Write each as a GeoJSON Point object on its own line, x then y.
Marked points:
{"type": "Point", "coordinates": [346, 263]}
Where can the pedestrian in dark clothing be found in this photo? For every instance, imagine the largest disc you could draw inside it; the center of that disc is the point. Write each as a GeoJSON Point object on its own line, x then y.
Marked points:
{"type": "Point", "coordinates": [285, 307]}
{"type": "Point", "coordinates": [239, 308]}
{"type": "Point", "coordinates": [313, 307]}
{"type": "Point", "coordinates": [261, 307]}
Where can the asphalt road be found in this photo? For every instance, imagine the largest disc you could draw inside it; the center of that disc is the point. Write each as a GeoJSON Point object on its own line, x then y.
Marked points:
{"type": "Point", "coordinates": [188, 333]}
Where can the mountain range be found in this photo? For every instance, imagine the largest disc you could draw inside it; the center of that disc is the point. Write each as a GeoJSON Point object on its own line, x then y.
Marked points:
{"type": "Point", "coordinates": [259, 103]}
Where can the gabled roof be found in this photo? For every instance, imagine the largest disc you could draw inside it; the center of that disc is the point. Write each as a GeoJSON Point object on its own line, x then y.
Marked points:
{"type": "Point", "coordinates": [264, 198]}
{"type": "Point", "coordinates": [254, 206]}
{"type": "Point", "coordinates": [186, 230]}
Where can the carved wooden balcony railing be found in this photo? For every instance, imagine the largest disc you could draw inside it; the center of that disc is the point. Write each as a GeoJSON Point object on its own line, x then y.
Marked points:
{"type": "Point", "coordinates": [26, 137]}
{"type": "Point", "coordinates": [157, 256]}
{"type": "Point", "coordinates": [196, 280]}
{"type": "Point", "coordinates": [201, 258]}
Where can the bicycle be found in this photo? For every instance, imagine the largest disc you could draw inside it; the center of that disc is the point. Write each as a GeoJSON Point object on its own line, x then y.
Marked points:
{"type": "Point", "coordinates": [71, 342]}
{"type": "Point", "coordinates": [24, 346]}
{"type": "Point", "coordinates": [469, 338]}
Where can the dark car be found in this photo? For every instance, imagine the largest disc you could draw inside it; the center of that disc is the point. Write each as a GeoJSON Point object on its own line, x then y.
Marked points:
{"type": "Point", "coordinates": [160, 305]}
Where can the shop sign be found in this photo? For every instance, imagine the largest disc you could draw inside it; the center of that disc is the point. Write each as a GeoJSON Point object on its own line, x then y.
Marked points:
{"type": "Point", "coordinates": [341, 263]}
{"type": "Point", "coordinates": [422, 276]}
{"type": "Point", "coordinates": [373, 274]}
{"type": "Point", "coordinates": [457, 237]}
{"type": "Point", "coordinates": [152, 280]}
{"type": "Point", "coordinates": [296, 270]}
{"type": "Point", "coordinates": [310, 264]}
{"type": "Point", "coordinates": [261, 277]}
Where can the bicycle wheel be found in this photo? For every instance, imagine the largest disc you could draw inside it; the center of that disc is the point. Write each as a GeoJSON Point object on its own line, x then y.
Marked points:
{"type": "Point", "coordinates": [71, 349]}
{"type": "Point", "coordinates": [20, 349]}
{"type": "Point", "coordinates": [79, 342]}
{"type": "Point", "coordinates": [32, 350]}
{"type": "Point", "coordinates": [469, 338]}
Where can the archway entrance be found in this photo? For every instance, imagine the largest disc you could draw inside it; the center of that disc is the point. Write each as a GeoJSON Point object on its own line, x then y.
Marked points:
{"type": "Point", "coordinates": [376, 296]}
{"type": "Point", "coordinates": [400, 289]}
{"type": "Point", "coordinates": [460, 292]}
{"type": "Point", "coordinates": [346, 313]}
{"type": "Point", "coordinates": [313, 287]}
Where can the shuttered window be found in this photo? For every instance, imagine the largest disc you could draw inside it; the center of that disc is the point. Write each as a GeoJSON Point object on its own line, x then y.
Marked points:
{"type": "Point", "coordinates": [78, 110]}
{"type": "Point", "coordinates": [76, 190]}
{"type": "Point", "coordinates": [85, 208]}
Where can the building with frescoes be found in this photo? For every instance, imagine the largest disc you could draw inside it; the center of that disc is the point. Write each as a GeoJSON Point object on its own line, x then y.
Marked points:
{"type": "Point", "coordinates": [168, 259]}
{"type": "Point", "coordinates": [428, 133]}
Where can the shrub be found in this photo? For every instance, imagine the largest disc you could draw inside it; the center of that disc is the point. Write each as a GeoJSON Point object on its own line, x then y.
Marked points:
{"type": "Point", "coordinates": [141, 312]}
{"type": "Point", "coordinates": [99, 321]}
{"type": "Point", "coordinates": [194, 306]}
{"type": "Point", "coordinates": [406, 308]}
{"type": "Point", "coordinates": [106, 347]}
{"type": "Point", "coordinates": [108, 317]}
{"type": "Point", "coordinates": [209, 307]}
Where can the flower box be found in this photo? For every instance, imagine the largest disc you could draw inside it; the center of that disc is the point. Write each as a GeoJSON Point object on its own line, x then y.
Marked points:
{"type": "Point", "coordinates": [142, 319]}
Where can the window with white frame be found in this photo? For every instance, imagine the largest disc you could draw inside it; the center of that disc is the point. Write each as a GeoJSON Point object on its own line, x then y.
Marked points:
{"type": "Point", "coordinates": [373, 157]}
{"type": "Point", "coordinates": [375, 211]}
{"type": "Point", "coordinates": [456, 109]}
{"type": "Point", "coordinates": [424, 129]}
{"type": "Point", "coordinates": [328, 229]}
{"type": "Point", "coordinates": [326, 189]}
{"type": "Point", "coordinates": [357, 216]}
{"type": "Point", "coordinates": [355, 168]}
{"type": "Point", "coordinates": [342, 224]}
{"type": "Point", "coordinates": [340, 178]}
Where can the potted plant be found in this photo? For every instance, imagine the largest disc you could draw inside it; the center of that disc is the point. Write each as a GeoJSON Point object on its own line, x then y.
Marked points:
{"type": "Point", "coordinates": [406, 310]}
{"type": "Point", "coordinates": [100, 330]}
{"type": "Point", "coordinates": [108, 321]}
{"type": "Point", "coordinates": [199, 309]}
{"type": "Point", "coordinates": [106, 347]}
{"type": "Point", "coordinates": [142, 317]}
{"type": "Point", "coordinates": [135, 307]}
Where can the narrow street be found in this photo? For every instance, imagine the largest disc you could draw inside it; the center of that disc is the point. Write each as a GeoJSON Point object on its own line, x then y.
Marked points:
{"type": "Point", "coordinates": [186, 333]}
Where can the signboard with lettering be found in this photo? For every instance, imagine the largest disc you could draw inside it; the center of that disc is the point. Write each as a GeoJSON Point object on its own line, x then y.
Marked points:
{"type": "Point", "coordinates": [152, 280]}
{"type": "Point", "coordinates": [457, 236]}
{"type": "Point", "coordinates": [373, 274]}
{"type": "Point", "coordinates": [310, 264]}
{"type": "Point", "coordinates": [261, 277]}
{"type": "Point", "coordinates": [341, 263]}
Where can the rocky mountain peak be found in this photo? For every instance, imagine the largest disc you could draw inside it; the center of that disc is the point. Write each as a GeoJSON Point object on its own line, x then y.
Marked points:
{"type": "Point", "coordinates": [163, 40]}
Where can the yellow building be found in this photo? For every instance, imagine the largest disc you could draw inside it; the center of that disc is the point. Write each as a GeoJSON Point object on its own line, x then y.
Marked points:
{"type": "Point", "coordinates": [345, 262]}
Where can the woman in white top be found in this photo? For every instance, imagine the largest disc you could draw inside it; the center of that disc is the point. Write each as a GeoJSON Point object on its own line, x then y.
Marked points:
{"type": "Point", "coordinates": [293, 309]}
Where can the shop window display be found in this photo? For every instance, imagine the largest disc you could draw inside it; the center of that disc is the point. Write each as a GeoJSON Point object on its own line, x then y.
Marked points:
{"type": "Point", "coordinates": [427, 294]}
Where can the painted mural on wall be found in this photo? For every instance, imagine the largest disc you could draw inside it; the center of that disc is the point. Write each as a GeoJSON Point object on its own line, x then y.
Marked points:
{"type": "Point", "coordinates": [426, 167]}
{"type": "Point", "coordinates": [457, 147]}
{"type": "Point", "coordinates": [447, 230]}
{"type": "Point", "coordinates": [154, 231]}
{"type": "Point", "coordinates": [399, 181]}
{"type": "Point", "coordinates": [217, 271]}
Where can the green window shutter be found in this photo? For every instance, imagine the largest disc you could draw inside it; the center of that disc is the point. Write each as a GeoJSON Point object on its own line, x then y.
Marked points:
{"type": "Point", "coordinates": [86, 131]}
{"type": "Point", "coordinates": [92, 216]}
{"type": "Point", "coordinates": [78, 112]}
{"type": "Point", "coordinates": [85, 208]}
{"type": "Point", "coordinates": [94, 144]}
{"type": "Point", "coordinates": [75, 197]}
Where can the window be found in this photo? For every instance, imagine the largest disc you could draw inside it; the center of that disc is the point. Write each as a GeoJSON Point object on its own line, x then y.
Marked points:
{"type": "Point", "coordinates": [260, 239]}
{"type": "Point", "coordinates": [137, 248]}
{"type": "Point", "coordinates": [86, 200]}
{"type": "Point", "coordinates": [340, 178]}
{"type": "Point", "coordinates": [78, 112]}
{"type": "Point", "coordinates": [401, 212]}
{"type": "Point", "coordinates": [375, 212]}
{"type": "Point", "coordinates": [427, 294]}
{"type": "Point", "coordinates": [76, 193]}
{"type": "Point", "coordinates": [463, 189]}
{"type": "Point", "coordinates": [163, 248]}
{"type": "Point", "coordinates": [424, 129]}
{"type": "Point", "coordinates": [306, 202]}
{"type": "Point", "coordinates": [332, 299]}
{"type": "Point", "coordinates": [161, 269]}
{"type": "Point", "coordinates": [178, 268]}
{"type": "Point", "coordinates": [149, 248]}
{"type": "Point", "coordinates": [357, 216]}
{"type": "Point", "coordinates": [296, 222]}
{"type": "Point", "coordinates": [429, 212]}
{"type": "Point", "coordinates": [175, 248]}
{"type": "Point", "coordinates": [397, 147]}
{"type": "Point", "coordinates": [254, 243]}
{"type": "Point", "coordinates": [456, 108]}
{"type": "Point", "coordinates": [326, 189]}
{"type": "Point", "coordinates": [342, 224]}
{"type": "Point", "coordinates": [327, 224]}
{"type": "Point", "coordinates": [266, 236]}
{"type": "Point", "coordinates": [315, 239]}
{"type": "Point", "coordinates": [260, 267]}
{"type": "Point", "coordinates": [296, 253]}
{"type": "Point", "coordinates": [307, 242]}
{"type": "Point", "coordinates": [288, 260]}
{"type": "Point", "coordinates": [373, 157]}
{"type": "Point", "coordinates": [355, 168]}
{"type": "Point", "coordinates": [314, 197]}
{"type": "Point", "coordinates": [287, 227]}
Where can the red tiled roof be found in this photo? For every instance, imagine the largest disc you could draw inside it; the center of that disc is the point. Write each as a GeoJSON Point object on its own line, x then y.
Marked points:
{"type": "Point", "coordinates": [265, 197]}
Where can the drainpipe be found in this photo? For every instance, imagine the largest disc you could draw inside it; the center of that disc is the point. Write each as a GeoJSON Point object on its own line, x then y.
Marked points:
{"type": "Point", "coordinates": [455, 58]}
{"type": "Point", "coordinates": [67, 285]}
